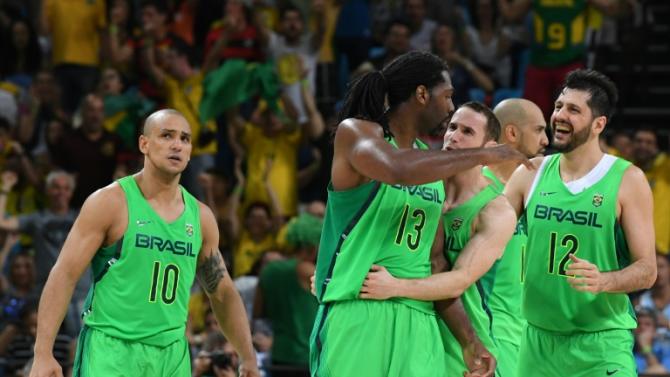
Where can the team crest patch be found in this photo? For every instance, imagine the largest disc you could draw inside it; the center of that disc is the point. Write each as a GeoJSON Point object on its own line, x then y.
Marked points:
{"type": "Point", "coordinates": [597, 200]}
{"type": "Point", "coordinates": [189, 230]}
{"type": "Point", "coordinates": [456, 223]}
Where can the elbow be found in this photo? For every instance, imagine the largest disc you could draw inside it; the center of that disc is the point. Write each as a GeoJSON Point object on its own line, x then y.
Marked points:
{"type": "Point", "coordinates": [651, 276]}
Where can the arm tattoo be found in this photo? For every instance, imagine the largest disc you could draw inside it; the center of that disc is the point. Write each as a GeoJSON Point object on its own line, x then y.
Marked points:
{"type": "Point", "coordinates": [211, 271]}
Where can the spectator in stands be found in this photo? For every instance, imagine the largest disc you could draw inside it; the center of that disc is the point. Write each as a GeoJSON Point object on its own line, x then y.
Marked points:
{"type": "Point", "coordinates": [217, 359]}
{"type": "Point", "coordinates": [22, 54]}
{"type": "Point", "coordinates": [559, 44]}
{"type": "Point", "coordinates": [489, 46]}
{"type": "Point", "coordinates": [657, 299]}
{"type": "Point", "coordinates": [90, 152]}
{"type": "Point", "coordinates": [19, 284]}
{"type": "Point", "coordinates": [283, 296]}
{"type": "Point", "coordinates": [296, 52]}
{"type": "Point", "coordinates": [217, 189]}
{"type": "Point", "coordinates": [656, 166]}
{"type": "Point", "coordinates": [76, 29]}
{"type": "Point", "coordinates": [41, 107]}
{"type": "Point", "coordinates": [465, 74]}
{"type": "Point", "coordinates": [422, 28]}
{"type": "Point", "coordinates": [183, 87]}
{"type": "Point", "coordinates": [652, 349]}
{"type": "Point", "coordinates": [120, 37]}
{"type": "Point", "coordinates": [259, 231]}
{"type": "Point", "coordinates": [237, 34]}
{"type": "Point", "coordinates": [25, 196]}
{"type": "Point", "coordinates": [396, 43]}
{"type": "Point", "coordinates": [48, 229]}
{"type": "Point", "coordinates": [17, 341]}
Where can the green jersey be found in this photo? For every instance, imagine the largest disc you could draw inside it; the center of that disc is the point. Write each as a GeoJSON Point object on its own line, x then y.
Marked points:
{"type": "Point", "coordinates": [458, 227]}
{"type": "Point", "coordinates": [376, 223]}
{"type": "Point", "coordinates": [559, 32]}
{"type": "Point", "coordinates": [143, 281]}
{"type": "Point", "coordinates": [291, 310]}
{"type": "Point", "coordinates": [506, 276]}
{"type": "Point", "coordinates": [575, 218]}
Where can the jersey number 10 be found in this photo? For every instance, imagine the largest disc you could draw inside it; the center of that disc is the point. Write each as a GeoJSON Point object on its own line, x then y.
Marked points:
{"type": "Point", "coordinates": [170, 275]}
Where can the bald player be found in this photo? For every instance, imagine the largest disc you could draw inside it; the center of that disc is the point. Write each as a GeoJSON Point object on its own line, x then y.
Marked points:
{"type": "Point", "coordinates": [522, 127]}
{"type": "Point", "coordinates": [147, 239]}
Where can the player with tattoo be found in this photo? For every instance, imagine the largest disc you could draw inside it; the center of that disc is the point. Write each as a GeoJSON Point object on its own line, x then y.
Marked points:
{"type": "Point", "coordinates": [146, 238]}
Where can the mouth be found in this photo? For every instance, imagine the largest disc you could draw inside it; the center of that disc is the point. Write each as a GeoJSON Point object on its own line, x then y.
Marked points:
{"type": "Point", "coordinates": [174, 158]}
{"type": "Point", "coordinates": [562, 128]}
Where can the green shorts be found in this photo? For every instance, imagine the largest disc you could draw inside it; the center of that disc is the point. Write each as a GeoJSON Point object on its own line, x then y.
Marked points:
{"type": "Point", "coordinates": [602, 353]}
{"type": "Point", "coordinates": [99, 354]}
{"type": "Point", "coordinates": [375, 338]}
{"type": "Point", "coordinates": [508, 358]}
{"type": "Point", "coordinates": [455, 365]}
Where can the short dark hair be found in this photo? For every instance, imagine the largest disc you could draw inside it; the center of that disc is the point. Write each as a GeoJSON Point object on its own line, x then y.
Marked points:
{"type": "Point", "coordinates": [604, 94]}
{"type": "Point", "coordinates": [397, 21]}
{"type": "Point", "coordinates": [398, 80]}
{"type": "Point", "coordinates": [262, 205]}
{"type": "Point", "coordinates": [492, 123]}
{"type": "Point", "coordinates": [290, 8]}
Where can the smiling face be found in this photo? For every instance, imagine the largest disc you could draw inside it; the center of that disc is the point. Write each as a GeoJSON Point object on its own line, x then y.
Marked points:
{"type": "Point", "coordinates": [572, 122]}
{"type": "Point", "coordinates": [166, 142]}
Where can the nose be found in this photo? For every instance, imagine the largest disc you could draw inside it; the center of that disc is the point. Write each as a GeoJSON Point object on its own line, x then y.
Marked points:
{"type": "Point", "coordinates": [543, 140]}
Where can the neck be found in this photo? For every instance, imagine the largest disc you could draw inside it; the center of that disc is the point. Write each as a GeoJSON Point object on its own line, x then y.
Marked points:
{"type": "Point", "coordinates": [158, 186]}
{"type": "Point", "coordinates": [403, 125]}
{"type": "Point", "coordinates": [504, 170]}
{"type": "Point", "coordinates": [577, 163]}
{"type": "Point", "coordinates": [465, 185]}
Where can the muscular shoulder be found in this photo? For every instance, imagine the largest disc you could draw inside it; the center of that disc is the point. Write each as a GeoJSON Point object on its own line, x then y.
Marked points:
{"type": "Point", "coordinates": [210, 229]}
{"type": "Point", "coordinates": [110, 196]}
{"type": "Point", "coordinates": [499, 211]}
{"type": "Point", "coordinates": [351, 128]}
{"type": "Point", "coordinates": [633, 184]}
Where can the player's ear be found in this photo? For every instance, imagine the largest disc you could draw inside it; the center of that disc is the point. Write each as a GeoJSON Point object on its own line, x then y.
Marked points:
{"type": "Point", "coordinates": [510, 132]}
{"type": "Point", "coordinates": [422, 95]}
{"type": "Point", "coordinates": [599, 124]}
{"type": "Point", "coordinates": [143, 144]}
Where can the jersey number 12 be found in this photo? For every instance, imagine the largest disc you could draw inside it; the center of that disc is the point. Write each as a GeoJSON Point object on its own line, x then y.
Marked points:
{"type": "Point", "coordinates": [570, 243]}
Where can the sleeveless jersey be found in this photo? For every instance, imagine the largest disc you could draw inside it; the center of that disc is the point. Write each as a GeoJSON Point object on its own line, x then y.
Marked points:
{"type": "Point", "coordinates": [559, 32]}
{"type": "Point", "coordinates": [376, 223]}
{"type": "Point", "coordinates": [506, 277]}
{"type": "Point", "coordinates": [458, 226]}
{"type": "Point", "coordinates": [561, 223]}
{"type": "Point", "coordinates": [143, 281]}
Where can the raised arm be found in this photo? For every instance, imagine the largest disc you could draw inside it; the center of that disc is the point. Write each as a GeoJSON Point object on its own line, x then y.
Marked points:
{"type": "Point", "coordinates": [149, 54]}
{"type": "Point", "coordinates": [88, 234]}
{"type": "Point", "coordinates": [360, 150]}
{"type": "Point", "coordinates": [495, 227]}
{"type": "Point", "coordinates": [11, 223]}
{"type": "Point", "coordinates": [226, 302]}
{"type": "Point", "coordinates": [636, 219]}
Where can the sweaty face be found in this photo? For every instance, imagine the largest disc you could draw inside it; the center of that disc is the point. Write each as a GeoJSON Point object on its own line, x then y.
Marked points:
{"type": "Point", "coordinates": [439, 107]}
{"type": "Point", "coordinates": [466, 129]}
{"type": "Point", "coordinates": [572, 120]}
{"type": "Point", "coordinates": [168, 144]}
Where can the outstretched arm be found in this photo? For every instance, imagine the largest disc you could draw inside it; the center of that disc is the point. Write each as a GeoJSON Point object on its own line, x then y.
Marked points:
{"type": "Point", "coordinates": [492, 232]}
{"type": "Point", "coordinates": [636, 219]}
{"type": "Point", "coordinates": [360, 147]}
{"type": "Point", "coordinates": [226, 302]}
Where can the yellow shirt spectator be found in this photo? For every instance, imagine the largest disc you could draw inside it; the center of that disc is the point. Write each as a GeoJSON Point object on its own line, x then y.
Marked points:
{"type": "Point", "coordinates": [75, 27]}
{"type": "Point", "coordinates": [248, 252]}
{"type": "Point", "coordinates": [184, 96]}
{"type": "Point", "coordinates": [659, 180]}
{"type": "Point", "coordinates": [282, 149]}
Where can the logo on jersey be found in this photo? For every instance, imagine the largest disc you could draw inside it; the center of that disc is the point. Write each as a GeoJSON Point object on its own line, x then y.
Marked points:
{"type": "Point", "coordinates": [597, 200]}
{"type": "Point", "coordinates": [189, 230]}
{"type": "Point", "coordinates": [430, 194]}
{"type": "Point", "coordinates": [143, 222]}
{"type": "Point", "coordinates": [456, 223]}
{"type": "Point", "coordinates": [145, 241]}
{"type": "Point", "coordinates": [547, 193]}
{"type": "Point", "coordinates": [565, 215]}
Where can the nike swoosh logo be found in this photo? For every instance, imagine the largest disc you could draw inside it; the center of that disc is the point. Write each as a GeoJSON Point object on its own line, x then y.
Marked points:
{"type": "Point", "coordinates": [547, 193]}
{"type": "Point", "coordinates": [609, 373]}
{"type": "Point", "coordinates": [143, 222]}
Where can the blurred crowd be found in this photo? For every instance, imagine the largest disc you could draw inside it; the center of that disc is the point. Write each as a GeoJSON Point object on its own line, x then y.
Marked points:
{"type": "Point", "coordinates": [260, 82]}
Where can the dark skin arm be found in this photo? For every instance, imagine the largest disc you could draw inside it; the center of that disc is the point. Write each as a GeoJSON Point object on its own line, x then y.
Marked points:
{"type": "Point", "coordinates": [361, 154]}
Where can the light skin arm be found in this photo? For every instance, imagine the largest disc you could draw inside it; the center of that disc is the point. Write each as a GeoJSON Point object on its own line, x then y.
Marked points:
{"type": "Point", "coordinates": [636, 219]}
{"type": "Point", "coordinates": [226, 302]}
{"type": "Point", "coordinates": [87, 235]}
{"type": "Point", "coordinates": [518, 185]}
{"type": "Point", "coordinates": [360, 148]}
{"type": "Point", "coordinates": [495, 227]}
{"type": "Point", "coordinates": [11, 223]}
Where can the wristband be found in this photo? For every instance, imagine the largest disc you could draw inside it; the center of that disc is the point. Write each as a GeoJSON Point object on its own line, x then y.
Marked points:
{"type": "Point", "coordinates": [646, 350]}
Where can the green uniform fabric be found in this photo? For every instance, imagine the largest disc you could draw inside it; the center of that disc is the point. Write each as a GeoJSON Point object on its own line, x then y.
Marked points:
{"type": "Point", "coordinates": [559, 32]}
{"type": "Point", "coordinates": [505, 298]}
{"type": "Point", "coordinates": [142, 283]}
{"type": "Point", "coordinates": [375, 223]}
{"type": "Point", "coordinates": [588, 354]}
{"type": "Point", "coordinates": [458, 226]}
{"type": "Point", "coordinates": [290, 308]}
{"type": "Point", "coordinates": [377, 338]}
{"type": "Point", "coordinates": [561, 223]}
{"type": "Point", "coordinates": [99, 354]}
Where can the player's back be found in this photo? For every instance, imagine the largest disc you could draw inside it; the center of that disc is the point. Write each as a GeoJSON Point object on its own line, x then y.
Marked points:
{"type": "Point", "coordinates": [143, 281]}
{"type": "Point", "coordinates": [579, 218]}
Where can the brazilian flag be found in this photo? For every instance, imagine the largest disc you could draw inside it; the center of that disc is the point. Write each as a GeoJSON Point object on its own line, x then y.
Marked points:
{"type": "Point", "coordinates": [235, 82]}
{"type": "Point", "coordinates": [124, 112]}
